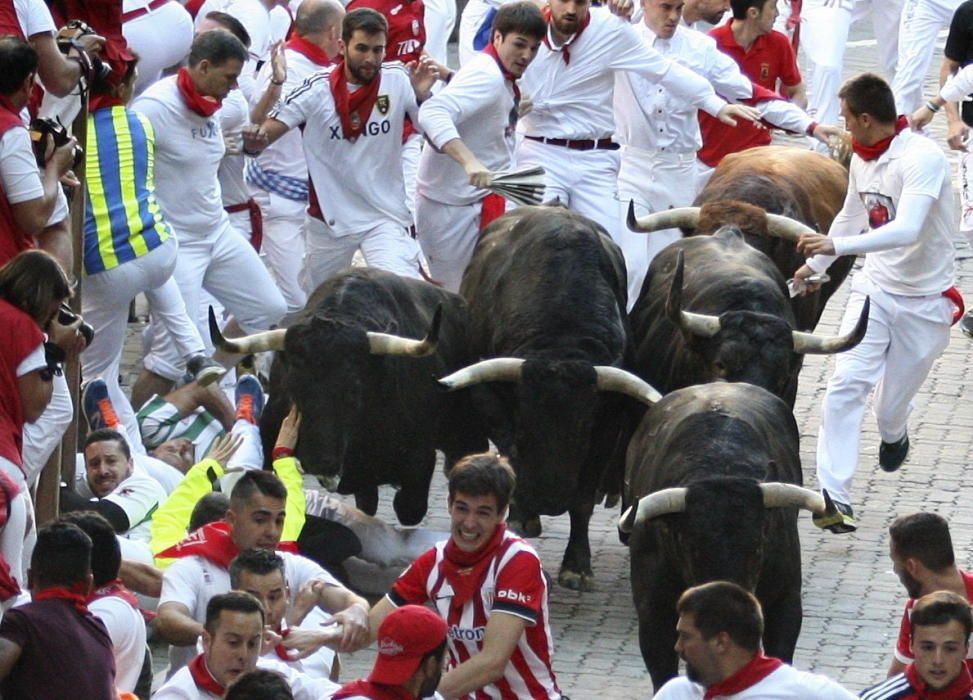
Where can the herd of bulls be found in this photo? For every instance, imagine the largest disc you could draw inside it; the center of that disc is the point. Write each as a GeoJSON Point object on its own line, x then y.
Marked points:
{"type": "Point", "coordinates": [682, 409]}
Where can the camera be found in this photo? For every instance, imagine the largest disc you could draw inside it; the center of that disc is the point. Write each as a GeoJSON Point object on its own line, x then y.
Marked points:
{"type": "Point", "coordinates": [65, 316]}
{"type": "Point", "coordinates": [39, 128]}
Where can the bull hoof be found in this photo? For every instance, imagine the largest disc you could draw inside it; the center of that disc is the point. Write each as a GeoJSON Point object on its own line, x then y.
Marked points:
{"type": "Point", "coordinates": [576, 581]}
{"type": "Point", "coordinates": [526, 528]}
{"type": "Point", "coordinates": [612, 499]}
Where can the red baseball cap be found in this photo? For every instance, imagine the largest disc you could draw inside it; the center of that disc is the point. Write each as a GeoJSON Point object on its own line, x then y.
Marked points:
{"type": "Point", "coordinates": [404, 637]}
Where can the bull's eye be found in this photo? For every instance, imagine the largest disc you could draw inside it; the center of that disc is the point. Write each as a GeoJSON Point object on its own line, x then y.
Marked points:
{"type": "Point", "coordinates": [720, 368]}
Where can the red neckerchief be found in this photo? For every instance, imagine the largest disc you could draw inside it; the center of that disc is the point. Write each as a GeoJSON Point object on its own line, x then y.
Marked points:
{"type": "Point", "coordinates": [758, 668]}
{"type": "Point", "coordinates": [959, 689]}
{"type": "Point", "coordinates": [96, 102]}
{"type": "Point", "coordinates": [117, 589]}
{"type": "Point", "coordinates": [874, 151]}
{"type": "Point", "coordinates": [203, 678]}
{"type": "Point", "coordinates": [491, 50]}
{"type": "Point", "coordinates": [314, 53]}
{"type": "Point", "coordinates": [280, 649]}
{"type": "Point", "coordinates": [463, 570]}
{"type": "Point", "coordinates": [200, 104]}
{"type": "Point", "coordinates": [353, 109]}
{"type": "Point", "coordinates": [565, 47]}
{"type": "Point", "coordinates": [376, 691]}
{"type": "Point", "coordinates": [214, 543]}
{"type": "Point", "coordinates": [73, 595]}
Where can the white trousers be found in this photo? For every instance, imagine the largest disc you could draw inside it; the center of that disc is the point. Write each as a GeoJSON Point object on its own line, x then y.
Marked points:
{"type": "Point", "coordinates": [921, 22]}
{"type": "Point", "coordinates": [228, 267]}
{"type": "Point", "coordinates": [14, 533]}
{"type": "Point", "coordinates": [161, 39]}
{"type": "Point", "coordinates": [824, 35]}
{"type": "Point", "coordinates": [448, 235]}
{"type": "Point", "coordinates": [905, 336]}
{"type": "Point", "coordinates": [583, 181]}
{"type": "Point", "coordinates": [654, 182]}
{"type": "Point", "coordinates": [105, 306]}
{"type": "Point", "coordinates": [966, 191]}
{"type": "Point", "coordinates": [283, 245]}
{"type": "Point", "coordinates": [387, 246]}
{"type": "Point", "coordinates": [440, 19]}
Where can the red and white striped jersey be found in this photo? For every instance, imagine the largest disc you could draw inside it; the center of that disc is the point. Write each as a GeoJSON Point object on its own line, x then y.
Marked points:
{"type": "Point", "coordinates": [514, 584]}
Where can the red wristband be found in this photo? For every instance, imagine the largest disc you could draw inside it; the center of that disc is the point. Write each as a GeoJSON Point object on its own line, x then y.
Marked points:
{"type": "Point", "coordinates": [281, 452]}
{"type": "Point", "coordinates": [810, 129]}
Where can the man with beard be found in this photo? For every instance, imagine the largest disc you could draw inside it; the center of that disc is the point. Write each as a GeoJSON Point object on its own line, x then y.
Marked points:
{"type": "Point", "coordinates": [352, 118]}
{"type": "Point", "coordinates": [921, 551]}
{"type": "Point", "coordinates": [488, 586]}
{"type": "Point", "coordinates": [703, 15]}
{"type": "Point", "coordinates": [941, 624]}
{"type": "Point", "coordinates": [411, 647]}
{"type": "Point", "coordinates": [720, 627]}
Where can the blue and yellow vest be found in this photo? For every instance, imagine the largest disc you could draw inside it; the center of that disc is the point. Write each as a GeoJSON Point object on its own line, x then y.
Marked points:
{"type": "Point", "coordinates": [122, 218]}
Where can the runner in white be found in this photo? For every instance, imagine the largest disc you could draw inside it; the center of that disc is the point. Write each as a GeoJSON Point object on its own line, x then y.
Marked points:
{"type": "Point", "coordinates": [189, 148]}
{"type": "Point", "coordinates": [352, 116]}
{"type": "Point", "coordinates": [470, 124]}
{"type": "Point", "coordinates": [922, 20]}
{"type": "Point", "coordinates": [278, 176]}
{"type": "Point", "coordinates": [569, 128]}
{"type": "Point", "coordinates": [160, 32]}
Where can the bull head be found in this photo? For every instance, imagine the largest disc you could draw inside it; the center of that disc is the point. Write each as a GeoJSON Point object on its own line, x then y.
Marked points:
{"type": "Point", "coordinates": [378, 343]}
{"type": "Point", "coordinates": [706, 325]}
{"type": "Point", "coordinates": [688, 217]}
{"type": "Point", "coordinates": [508, 369]}
{"type": "Point", "coordinates": [673, 500]}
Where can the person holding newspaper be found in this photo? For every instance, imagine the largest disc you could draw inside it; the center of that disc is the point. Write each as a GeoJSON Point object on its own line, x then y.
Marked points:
{"type": "Point", "coordinates": [471, 125]}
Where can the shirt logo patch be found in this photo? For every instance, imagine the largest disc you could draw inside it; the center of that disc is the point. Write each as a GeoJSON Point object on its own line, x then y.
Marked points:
{"type": "Point", "coordinates": [466, 634]}
{"type": "Point", "coordinates": [383, 104]}
{"type": "Point", "coordinates": [389, 647]}
{"type": "Point", "coordinates": [415, 27]}
{"type": "Point", "coordinates": [764, 71]}
{"type": "Point", "coordinates": [880, 208]}
{"type": "Point", "coordinates": [514, 596]}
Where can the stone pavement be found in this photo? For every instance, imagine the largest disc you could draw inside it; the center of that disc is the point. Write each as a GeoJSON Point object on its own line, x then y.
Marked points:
{"type": "Point", "coordinates": [852, 601]}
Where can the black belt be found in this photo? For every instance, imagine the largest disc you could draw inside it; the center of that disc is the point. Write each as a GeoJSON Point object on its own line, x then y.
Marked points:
{"type": "Point", "coordinates": [578, 144]}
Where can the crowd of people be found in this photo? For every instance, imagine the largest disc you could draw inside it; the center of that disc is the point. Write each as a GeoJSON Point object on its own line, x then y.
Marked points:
{"type": "Point", "coordinates": [240, 152]}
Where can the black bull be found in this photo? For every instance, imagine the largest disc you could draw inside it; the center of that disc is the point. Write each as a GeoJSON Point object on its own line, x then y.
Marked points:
{"type": "Point", "coordinates": [714, 308]}
{"type": "Point", "coordinates": [697, 478]}
{"type": "Point", "coordinates": [372, 412]}
{"type": "Point", "coordinates": [546, 289]}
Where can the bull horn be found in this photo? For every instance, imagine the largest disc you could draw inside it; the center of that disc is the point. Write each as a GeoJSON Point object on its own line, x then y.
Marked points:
{"type": "Point", "coordinates": [388, 344]}
{"type": "Point", "coordinates": [681, 217]}
{"type": "Point", "coordinates": [615, 379]}
{"type": "Point", "coordinates": [660, 503]}
{"type": "Point", "coordinates": [778, 495]}
{"type": "Point", "coordinates": [497, 369]}
{"type": "Point", "coordinates": [249, 344]}
{"type": "Point", "coordinates": [811, 344]}
{"type": "Point", "coordinates": [787, 228]}
{"type": "Point", "coordinates": [702, 325]}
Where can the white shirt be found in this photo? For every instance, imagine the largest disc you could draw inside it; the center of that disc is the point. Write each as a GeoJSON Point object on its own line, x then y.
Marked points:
{"type": "Point", "coordinates": [958, 86]}
{"type": "Point", "coordinates": [286, 154]}
{"type": "Point", "coordinates": [139, 495]}
{"type": "Point", "coordinates": [575, 101]}
{"type": "Point", "coordinates": [784, 683]}
{"type": "Point", "coordinates": [650, 117]}
{"type": "Point", "coordinates": [19, 174]}
{"type": "Point", "coordinates": [188, 151]}
{"type": "Point", "coordinates": [182, 686]}
{"type": "Point", "coordinates": [359, 183]}
{"type": "Point", "coordinates": [924, 264]}
{"type": "Point", "coordinates": [192, 581]}
{"type": "Point", "coordinates": [253, 15]}
{"type": "Point", "coordinates": [233, 116]}
{"type": "Point", "coordinates": [476, 107]}
{"type": "Point", "coordinates": [34, 17]}
{"type": "Point", "coordinates": [126, 627]}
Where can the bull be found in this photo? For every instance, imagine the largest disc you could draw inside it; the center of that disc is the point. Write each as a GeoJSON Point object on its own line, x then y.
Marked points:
{"type": "Point", "coordinates": [712, 489]}
{"type": "Point", "coordinates": [547, 296]}
{"type": "Point", "coordinates": [741, 327]}
{"type": "Point", "coordinates": [772, 194]}
{"type": "Point", "coordinates": [356, 365]}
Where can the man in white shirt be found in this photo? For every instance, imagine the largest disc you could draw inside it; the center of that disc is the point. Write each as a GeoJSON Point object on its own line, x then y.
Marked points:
{"type": "Point", "coordinates": [111, 485]}
{"type": "Point", "coordinates": [899, 194]}
{"type": "Point", "coordinates": [719, 631]}
{"type": "Point", "coordinates": [231, 640]}
{"type": "Point", "coordinates": [660, 135]}
{"type": "Point", "coordinates": [112, 602]}
{"type": "Point", "coordinates": [189, 149]}
{"type": "Point", "coordinates": [278, 176]}
{"type": "Point", "coordinates": [470, 124]}
{"type": "Point", "coordinates": [570, 126]}
{"type": "Point", "coordinates": [255, 520]}
{"type": "Point", "coordinates": [352, 115]}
